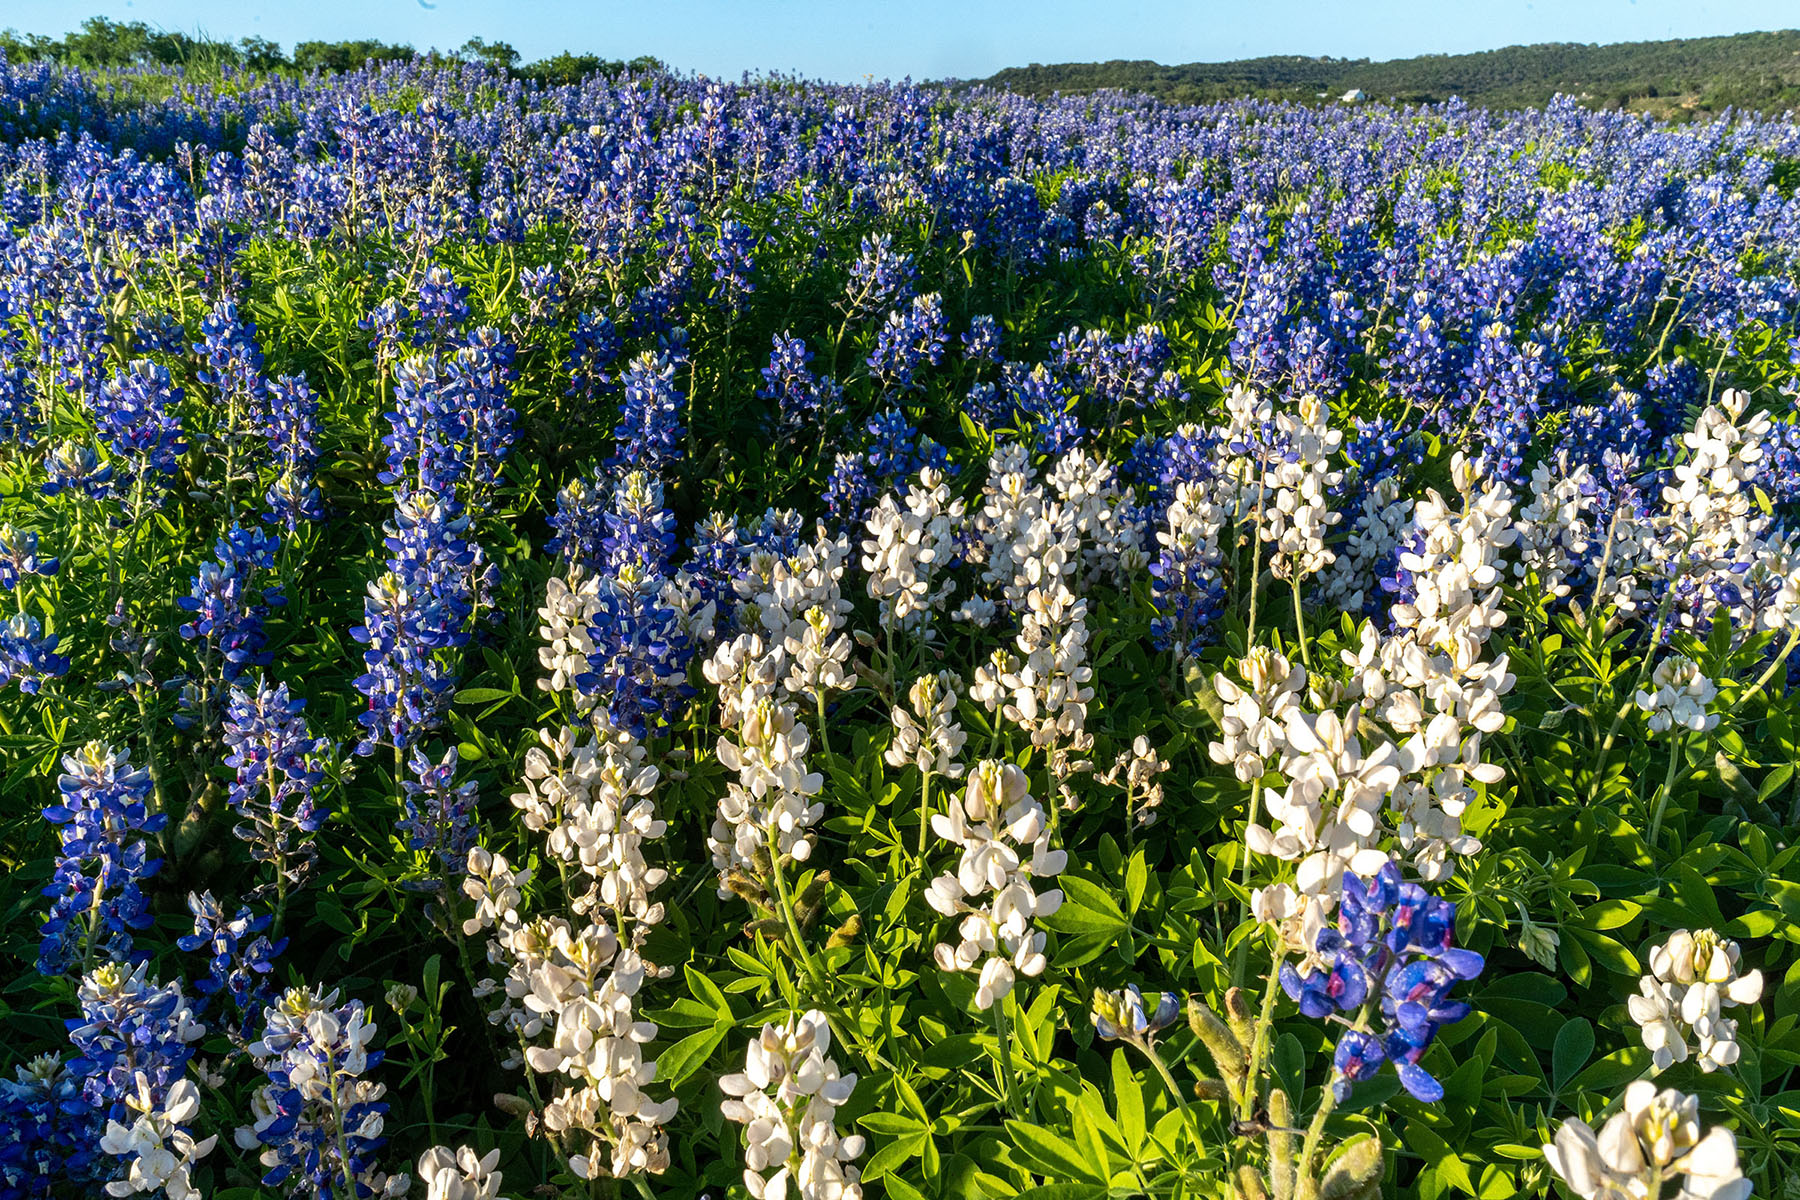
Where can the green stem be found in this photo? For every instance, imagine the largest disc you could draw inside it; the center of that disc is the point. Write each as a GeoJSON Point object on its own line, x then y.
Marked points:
{"type": "Point", "coordinates": [1309, 1149]}
{"type": "Point", "coordinates": [924, 811]}
{"type": "Point", "coordinates": [1168, 1079]}
{"type": "Point", "coordinates": [1676, 756]}
{"type": "Point", "coordinates": [788, 917]}
{"type": "Point", "coordinates": [1763, 680]}
{"type": "Point", "coordinates": [1300, 626]}
{"type": "Point", "coordinates": [1004, 1068]}
{"type": "Point", "coordinates": [1241, 959]}
{"type": "Point", "coordinates": [1260, 1043]}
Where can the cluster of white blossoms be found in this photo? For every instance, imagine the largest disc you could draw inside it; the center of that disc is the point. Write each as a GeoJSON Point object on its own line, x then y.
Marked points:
{"type": "Point", "coordinates": [571, 980]}
{"type": "Point", "coordinates": [1005, 842]}
{"type": "Point", "coordinates": [460, 1174]}
{"type": "Point", "coordinates": [1102, 514]}
{"type": "Point", "coordinates": [769, 808]}
{"type": "Point", "coordinates": [1346, 584]}
{"type": "Point", "coordinates": [160, 1150]}
{"type": "Point", "coordinates": [1428, 685]}
{"type": "Point", "coordinates": [1652, 1141]}
{"type": "Point", "coordinates": [1253, 719]}
{"type": "Point", "coordinates": [909, 550]}
{"type": "Point", "coordinates": [1396, 767]}
{"type": "Point", "coordinates": [787, 1097]}
{"type": "Point", "coordinates": [1693, 977]}
{"type": "Point", "coordinates": [579, 984]}
{"type": "Point", "coordinates": [591, 798]}
{"type": "Point", "coordinates": [1708, 505]}
{"type": "Point", "coordinates": [1678, 697]}
{"type": "Point", "coordinates": [928, 736]}
{"type": "Point", "coordinates": [1136, 772]}
{"type": "Point", "coordinates": [1191, 554]}
{"type": "Point", "coordinates": [1556, 537]}
{"type": "Point", "coordinates": [1296, 515]}
{"type": "Point", "coordinates": [567, 615]}
{"type": "Point", "coordinates": [1022, 537]}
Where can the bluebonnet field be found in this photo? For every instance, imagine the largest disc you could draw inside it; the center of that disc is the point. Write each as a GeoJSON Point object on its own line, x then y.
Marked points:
{"type": "Point", "coordinates": [660, 637]}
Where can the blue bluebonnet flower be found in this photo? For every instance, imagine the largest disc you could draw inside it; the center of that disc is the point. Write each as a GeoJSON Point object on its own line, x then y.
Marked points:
{"type": "Point", "coordinates": [232, 362]}
{"type": "Point", "coordinates": [1042, 404]}
{"type": "Point", "coordinates": [1393, 945]}
{"type": "Point", "coordinates": [981, 344]}
{"type": "Point", "coordinates": [641, 648]}
{"type": "Point", "coordinates": [428, 426]}
{"type": "Point", "coordinates": [894, 450]}
{"type": "Point", "coordinates": [909, 339]}
{"type": "Point", "coordinates": [18, 407]}
{"type": "Point", "coordinates": [801, 398]}
{"type": "Point", "coordinates": [135, 411]}
{"type": "Point", "coordinates": [485, 363]}
{"type": "Point", "coordinates": [440, 813]}
{"type": "Point", "coordinates": [240, 959]}
{"type": "Point", "coordinates": [133, 1041]}
{"type": "Point", "coordinates": [228, 610]}
{"type": "Point", "coordinates": [1420, 363]}
{"type": "Point", "coordinates": [28, 655]}
{"type": "Point", "coordinates": [880, 276]}
{"type": "Point", "coordinates": [440, 308]}
{"type": "Point", "coordinates": [48, 1133]}
{"type": "Point", "coordinates": [415, 615]}
{"type": "Point", "coordinates": [650, 417]}
{"type": "Point", "coordinates": [104, 820]}
{"type": "Point", "coordinates": [542, 290]}
{"type": "Point", "coordinates": [1120, 1016]}
{"type": "Point", "coordinates": [75, 466]}
{"type": "Point", "coordinates": [594, 345]}
{"type": "Point", "coordinates": [732, 263]}
{"type": "Point", "coordinates": [292, 431]}
{"type": "Point", "coordinates": [278, 767]}
{"type": "Point", "coordinates": [383, 325]}
{"type": "Point", "coordinates": [318, 1120]}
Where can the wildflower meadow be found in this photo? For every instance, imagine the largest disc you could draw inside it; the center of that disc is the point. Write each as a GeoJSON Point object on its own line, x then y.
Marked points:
{"type": "Point", "coordinates": [652, 637]}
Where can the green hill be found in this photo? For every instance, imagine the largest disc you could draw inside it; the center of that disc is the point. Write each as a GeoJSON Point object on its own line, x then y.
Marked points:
{"type": "Point", "coordinates": [1747, 70]}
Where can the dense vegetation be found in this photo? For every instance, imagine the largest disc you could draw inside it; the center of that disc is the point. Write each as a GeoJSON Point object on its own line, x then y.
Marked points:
{"type": "Point", "coordinates": [668, 638]}
{"type": "Point", "coordinates": [1759, 71]}
{"type": "Point", "coordinates": [102, 43]}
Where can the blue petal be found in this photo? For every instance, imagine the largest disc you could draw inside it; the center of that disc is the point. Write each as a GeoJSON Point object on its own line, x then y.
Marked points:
{"type": "Point", "coordinates": [1419, 1082]}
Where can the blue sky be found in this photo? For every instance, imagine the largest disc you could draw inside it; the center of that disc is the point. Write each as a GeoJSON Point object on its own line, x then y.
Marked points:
{"type": "Point", "coordinates": [846, 40]}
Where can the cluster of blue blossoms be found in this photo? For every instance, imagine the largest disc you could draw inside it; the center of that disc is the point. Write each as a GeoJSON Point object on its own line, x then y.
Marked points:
{"type": "Point", "coordinates": [1391, 953]}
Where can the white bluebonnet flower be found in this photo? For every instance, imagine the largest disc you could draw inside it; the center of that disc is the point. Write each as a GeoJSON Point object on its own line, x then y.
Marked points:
{"type": "Point", "coordinates": [1655, 1137]}
{"type": "Point", "coordinates": [928, 737]}
{"type": "Point", "coordinates": [787, 1097]}
{"type": "Point", "coordinates": [460, 1174]}
{"type": "Point", "coordinates": [1678, 697]}
{"type": "Point", "coordinates": [909, 550]}
{"type": "Point", "coordinates": [1005, 844]}
{"type": "Point", "coordinates": [1693, 976]}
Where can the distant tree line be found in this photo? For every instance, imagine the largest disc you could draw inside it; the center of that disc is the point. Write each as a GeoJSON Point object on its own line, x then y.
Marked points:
{"type": "Point", "coordinates": [101, 43]}
{"type": "Point", "coordinates": [1751, 70]}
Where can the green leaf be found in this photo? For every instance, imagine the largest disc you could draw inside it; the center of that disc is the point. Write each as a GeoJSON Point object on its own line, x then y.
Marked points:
{"type": "Point", "coordinates": [686, 1056]}
{"type": "Point", "coordinates": [1086, 908]}
{"type": "Point", "coordinates": [483, 695]}
{"type": "Point", "coordinates": [1055, 1154]}
{"type": "Point", "coordinates": [1574, 1046]}
{"type": "Point", "coordinates": [708, 993]}
{"type": "Point", "coordinates": [1064, 1191]}
{"type": "Point", "coordinates": [1128, 1100]}
{"type": "Point", "coordinates": [893, 1124]}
